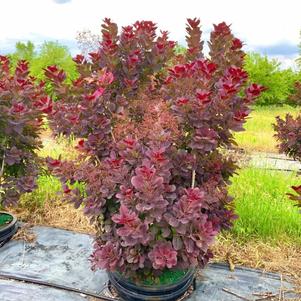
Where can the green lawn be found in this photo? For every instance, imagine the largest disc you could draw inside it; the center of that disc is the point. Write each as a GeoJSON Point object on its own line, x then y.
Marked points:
{"type": "Point", "coordinates": [264, 210]}
{"type": "Point", "coordinates": [259, 132]}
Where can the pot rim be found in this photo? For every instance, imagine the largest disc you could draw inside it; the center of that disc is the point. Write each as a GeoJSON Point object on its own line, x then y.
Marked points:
{"type": "Point", "coordinates": [118, 276]}
{"type": "Point", "coordinates": [11, 224]}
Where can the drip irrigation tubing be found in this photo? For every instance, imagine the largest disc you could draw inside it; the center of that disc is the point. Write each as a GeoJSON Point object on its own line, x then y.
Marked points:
{"type": "Point", "coordinates": [241, 150]}
{"type": "Point", "coordinates": [6, 276]}
{"type": "Point", "coordinates": [280, 159]}
{"type": "Point", "coordinates": [276, 169]}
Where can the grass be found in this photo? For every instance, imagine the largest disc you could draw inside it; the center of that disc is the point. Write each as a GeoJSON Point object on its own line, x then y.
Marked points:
{"type": "Point", "coordinates": [48, 189]}
{"type": "Point", "coordinates": [264, 210]}
{"type": "Point", "coordinates": [259, 132]}
{"type": "Point", "coordinates": [55, 148]}
{"type": "Point", "coordinates": [267, 234]}
{"type": "Point", "coordinates": [45, 206]}
{"type": "Point", "coordinates": [279, 257]}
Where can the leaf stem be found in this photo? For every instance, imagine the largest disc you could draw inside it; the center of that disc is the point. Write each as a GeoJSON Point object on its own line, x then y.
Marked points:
{"type": "Point", "coordinates": [193, 178]}
{"type": "Point", "coordinates": [193, 174]}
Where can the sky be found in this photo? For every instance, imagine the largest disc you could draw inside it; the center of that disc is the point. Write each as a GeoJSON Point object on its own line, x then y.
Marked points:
{"type": "Point", "coordinates": [270, 27]}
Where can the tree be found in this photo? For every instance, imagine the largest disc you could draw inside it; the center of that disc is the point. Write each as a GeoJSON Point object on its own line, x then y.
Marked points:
{"type": "Point", "coordinates": [87, 42]}
{"type": "Point", "coordinates": [279, 83]}
{"type": "Point", "coordinates": [298, 60]}
{"type": "Point", "coordinates": [52, 53]}
{"type": "Point", "coordinates": [180, 49]}
{"type": "Point", "coordinates": [24, 51]}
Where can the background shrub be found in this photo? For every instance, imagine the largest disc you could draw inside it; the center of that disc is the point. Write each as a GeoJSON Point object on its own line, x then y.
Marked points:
{"type": "Point", "coordinates": [279, 83]}
{"type": "Point", "coordinates": [288, 133]}
{"type": "Point", "coordinates": [22, 107]}
{"type": "Point", "coordinates": [50, 53]}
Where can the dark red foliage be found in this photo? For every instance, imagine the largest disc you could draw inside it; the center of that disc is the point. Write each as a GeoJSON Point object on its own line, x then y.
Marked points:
{"type": "Point", "coordinates": [295, 97]}
{"type": "Point", "coordinates": [288, 133]}
{"type": "Point", "coordinates": [255, 90]}
{"type": "Point", "coordinates": [236, 44]}
{"type": "Point", "coordinates": [150, 138]}
{"type": "Point", "coordinates": [297, 198]}
{"type": "Point", "coordinates": [193, 39]}
{"type": "Point", "coordinates": [22, 107]}
{"type": "Point", "coordinates": [163, 255]}
{"type": "Point", "coordinates": [224, 49]}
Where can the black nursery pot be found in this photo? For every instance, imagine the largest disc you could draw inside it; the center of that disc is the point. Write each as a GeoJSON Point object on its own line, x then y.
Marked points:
{"type": "Point", "coordinates": [8, 228]}
{"type": "Point", "coordinates": [130, 291]}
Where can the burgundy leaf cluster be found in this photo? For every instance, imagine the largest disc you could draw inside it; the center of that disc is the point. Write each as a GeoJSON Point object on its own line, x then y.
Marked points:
{"type": "Point", "coordinates": [288, 133]}
{"type": "Point", "coordinates": [295, 97]}
{"type": "Point", "coordinates": [22, 107]}
{"type": "Point", "coordinates": [150, 138]}
{"type": "Point", "coordinates": [297, 198]}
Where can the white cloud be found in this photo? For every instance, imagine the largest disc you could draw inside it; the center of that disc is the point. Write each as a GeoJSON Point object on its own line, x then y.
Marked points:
{"type": "Point", "coordinates": [257, 22]}
{"type": "Point", "coordinates": [286, 61]}
{"type": "Point", "coordinates": [61, 1]}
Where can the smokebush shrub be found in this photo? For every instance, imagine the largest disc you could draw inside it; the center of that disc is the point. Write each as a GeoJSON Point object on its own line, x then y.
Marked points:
{"type": "Point", "coordinates": [22, 106]}
{"type": "Point", "coordinates": [150, 136]}
{"type": "Point", "coordinates": [288, 133]}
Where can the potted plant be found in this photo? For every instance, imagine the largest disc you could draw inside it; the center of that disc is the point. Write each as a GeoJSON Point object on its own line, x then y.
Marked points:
{"type": "Point", "coordinates": [152, 127]}
{"type": "Point", "coordinates": [22, 105]}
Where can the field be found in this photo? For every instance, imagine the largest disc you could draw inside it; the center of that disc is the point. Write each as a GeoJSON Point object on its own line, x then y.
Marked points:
{"type": "Point", "coordinates": [259, 133]}
{"type": "Point", "coordinates": [265, 211]}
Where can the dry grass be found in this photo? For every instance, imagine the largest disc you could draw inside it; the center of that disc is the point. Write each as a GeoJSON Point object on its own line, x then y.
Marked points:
{"type": "Point", "coordinates": [57, 147]}
{"type": "Point", "coordinates": [25, 233]}
{"type": "Point", "coordinates": [283, 258]}
{"type": "Point", "coordinates": [55, 214]}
